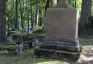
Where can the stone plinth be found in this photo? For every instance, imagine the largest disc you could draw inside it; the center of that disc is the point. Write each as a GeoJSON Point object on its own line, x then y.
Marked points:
{"type": "Point", "coordinates": [59, 49]}
{"type": "Point", "coordinates": [62, 23]}
{"type": "Point", "coordinates": [56, 54]}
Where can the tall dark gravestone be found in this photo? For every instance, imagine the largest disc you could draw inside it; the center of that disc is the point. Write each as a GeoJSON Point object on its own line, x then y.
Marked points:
{"type": "Point", "coordinates": [61, 36]}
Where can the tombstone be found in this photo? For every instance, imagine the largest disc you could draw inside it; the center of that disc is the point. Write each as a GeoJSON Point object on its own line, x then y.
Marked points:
{"type": "Point", "coordinates": [19, 49]}
{"type": "Point", "coordinates": [61, 35]}
{"type": "Point", "coordinates": [27, 45]}
{"type": "Point", "coordinates": [35, 43]}
{"type": "Point", "coordinates": [9, 37]}
{"type": "Point", "coordinates": [27, 28]}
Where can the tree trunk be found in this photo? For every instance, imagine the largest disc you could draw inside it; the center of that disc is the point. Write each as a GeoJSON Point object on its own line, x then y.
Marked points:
{"type": "Point", "coordinates": [37, 16]}
{"type": "Point", "coordinates": [86, 12]}
{"type": "Point", "coordinates": [47, 5]}
{"type": "Point", "coordinates": [31, 15]}
{"type": "Point", "coordinates": [57, 1]}
{"type": "Point", "coordinates": [11, 24]}
{"type": "Point", "coordinates": [16, 25]}
{"type": "Point", "coordinates": [2, 20]}
{"type": "Point", "coordinates": [40, 18]}
{"type": "Point", "coordinates": [8, 24]}
{"type": "Point", "coordinates": [51, 2]}
{"type": "Point", "coordinates": [31, 18]}
{"type": "Point", "coordinates": [23, 15]}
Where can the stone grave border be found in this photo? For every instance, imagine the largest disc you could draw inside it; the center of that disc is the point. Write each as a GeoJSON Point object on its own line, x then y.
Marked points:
{"type": "Point", "coordinates": [19, 47]}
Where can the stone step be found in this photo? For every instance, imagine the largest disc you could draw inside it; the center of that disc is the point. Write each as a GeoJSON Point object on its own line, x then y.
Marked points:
{"type": "Point", "coordinates": [56, 54]}
{"type": "Point", "coordinates": [61, 47]}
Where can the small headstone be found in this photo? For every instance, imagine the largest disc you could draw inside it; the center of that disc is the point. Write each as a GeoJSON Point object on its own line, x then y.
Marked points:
{"type": "Point", "coordinates": [27, 28]}
{"type": "Point", "coordinates": [9, 35]}
{"type": "Point", "coordinates": [27, 45]}
{"type": "Point", "coordinates": [9, 38]}
{"type": "Point", "coordinates": [35, 43]}
{"type": "Point", "coordinates": [19, 49]}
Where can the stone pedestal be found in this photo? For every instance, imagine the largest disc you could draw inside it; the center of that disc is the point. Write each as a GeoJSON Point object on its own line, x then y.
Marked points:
{"type": "Point", "coordinates": [59, 49]}
{"type": "Point", "coordinates": [61, 36]}
{"type": "Point", "coordinates": [56, 54]}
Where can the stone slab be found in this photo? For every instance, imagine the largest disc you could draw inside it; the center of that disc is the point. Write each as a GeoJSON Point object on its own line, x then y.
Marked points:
{"type": "Point", "coordinates": [62, 4]}
{"type": "Point", "coordinates": [56, 54]}
{"type": "Point", "coordinates": [61, 47]}
{"type": "Point", "coordinates": [62, 23]}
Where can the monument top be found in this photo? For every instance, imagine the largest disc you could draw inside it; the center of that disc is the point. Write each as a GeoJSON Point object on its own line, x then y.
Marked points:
{"type": "Point", "coordinates": [62, 4]}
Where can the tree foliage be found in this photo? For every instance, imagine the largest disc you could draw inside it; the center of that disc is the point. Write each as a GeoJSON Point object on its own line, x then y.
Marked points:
{"type": "Point", "coordinates": [31, 6]}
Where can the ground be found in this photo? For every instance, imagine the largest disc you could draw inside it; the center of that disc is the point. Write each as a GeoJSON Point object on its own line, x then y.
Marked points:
{"type": "Point", "coordinates": [28, 56]}
{"type": "Point", "coordinates": [87, 50]}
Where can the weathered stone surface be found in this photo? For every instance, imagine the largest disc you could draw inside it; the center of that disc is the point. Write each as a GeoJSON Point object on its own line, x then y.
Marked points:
{"type": "Point", "coordinates": [19, 49]}
{"type": "Point", "coordinates": [61, 47]}
{"type": "Point", "coordinates": [62, 4]}
{"type": "Point", "coordinates": [61, 33]}
{"type": "Point", "coordinates": [62, 42]}
{"type": "Point", "coordinates": [49, 53]}
{"type": "Point", "coordinates": [62, 23]}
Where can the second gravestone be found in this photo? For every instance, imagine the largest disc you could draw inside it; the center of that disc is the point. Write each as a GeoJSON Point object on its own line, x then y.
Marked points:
{"type": "Point", "coordinates": [61, 33]}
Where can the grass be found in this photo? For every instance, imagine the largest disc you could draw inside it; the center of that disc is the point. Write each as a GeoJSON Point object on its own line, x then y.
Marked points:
{"type": "Point", "coordinates": [28, 56]}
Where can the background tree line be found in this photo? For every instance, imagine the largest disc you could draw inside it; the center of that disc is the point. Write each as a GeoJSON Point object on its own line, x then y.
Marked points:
{"type": "Point", "coordinates": [14, 11]}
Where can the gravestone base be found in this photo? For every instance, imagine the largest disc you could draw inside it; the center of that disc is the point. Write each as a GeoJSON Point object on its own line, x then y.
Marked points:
{"type": "Point", "coordinates": [56, 54]}
{"type": "Point", "coordinates": [58, 48]}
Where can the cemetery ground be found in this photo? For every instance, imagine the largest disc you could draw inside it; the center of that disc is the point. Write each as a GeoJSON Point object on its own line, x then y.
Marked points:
{"type": "Point", "coordinates": [28, 55]}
